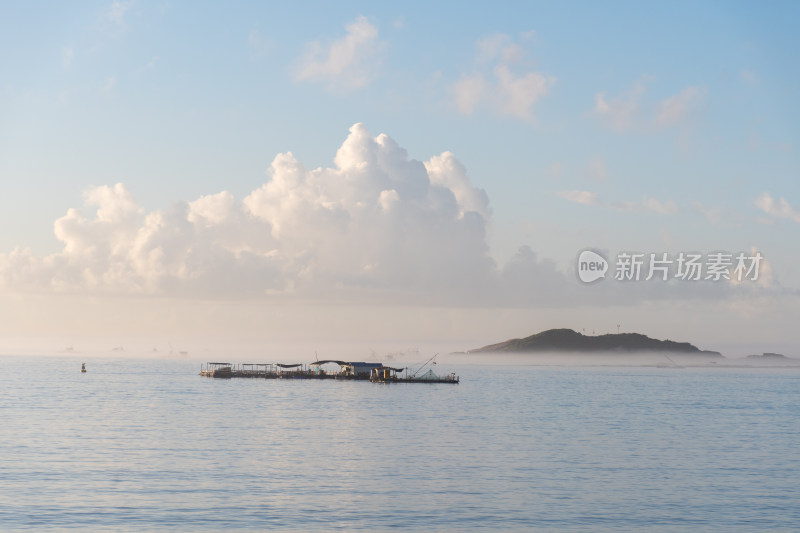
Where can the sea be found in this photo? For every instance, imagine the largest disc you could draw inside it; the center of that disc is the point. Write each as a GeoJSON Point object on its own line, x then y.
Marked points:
{"type": "Point", "coordinates": [148, 444]}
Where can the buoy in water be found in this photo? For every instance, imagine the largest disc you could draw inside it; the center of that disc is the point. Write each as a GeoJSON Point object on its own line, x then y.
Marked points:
{"type": "Point", "coordinates": [83, 367]}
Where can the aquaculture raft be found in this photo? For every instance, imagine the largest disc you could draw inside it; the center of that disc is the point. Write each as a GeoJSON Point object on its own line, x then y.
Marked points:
{"type": "Point", "coordinates": [348, 370]}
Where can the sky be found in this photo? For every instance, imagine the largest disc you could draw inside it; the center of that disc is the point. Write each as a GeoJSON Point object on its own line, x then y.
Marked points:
{"type": "Point", "coordinates": [249, 174]}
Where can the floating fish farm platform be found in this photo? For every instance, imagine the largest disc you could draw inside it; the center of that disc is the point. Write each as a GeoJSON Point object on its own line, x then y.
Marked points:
{"type": "Point", "coordinates": [347, 370]}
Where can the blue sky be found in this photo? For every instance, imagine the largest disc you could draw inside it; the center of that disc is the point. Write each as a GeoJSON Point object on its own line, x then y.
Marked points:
{"type": "Point", "coordinates": [615, 126]}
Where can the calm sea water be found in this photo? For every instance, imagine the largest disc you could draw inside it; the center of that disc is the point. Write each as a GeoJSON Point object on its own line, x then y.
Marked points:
{"type": "Point", "coordinates": [150, 445]}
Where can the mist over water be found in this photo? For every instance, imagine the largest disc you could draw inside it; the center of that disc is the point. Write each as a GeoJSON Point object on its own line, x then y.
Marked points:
{"type": "Point", "coordinates": [147, 444]}
{"type": "Point", "coordinates": [622, 359]}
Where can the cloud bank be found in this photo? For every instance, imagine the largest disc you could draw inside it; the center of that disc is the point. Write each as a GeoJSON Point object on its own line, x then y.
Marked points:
{"type": "Point", "coordinates": [376, 225]}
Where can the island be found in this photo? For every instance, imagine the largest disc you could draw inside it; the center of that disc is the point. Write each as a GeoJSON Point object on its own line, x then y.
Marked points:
{"type": "Point", "coordinates": [568, 340]}
{"type": "Point", "coordinates": [769, 356]}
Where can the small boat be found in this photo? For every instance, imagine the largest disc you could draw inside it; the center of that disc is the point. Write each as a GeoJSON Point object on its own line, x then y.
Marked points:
{"type": "Point", "coordinates": [83, 367]}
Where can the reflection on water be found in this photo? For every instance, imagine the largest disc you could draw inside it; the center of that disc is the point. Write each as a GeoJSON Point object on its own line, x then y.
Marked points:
{"type": "Point", "coordinates": [151, 445]}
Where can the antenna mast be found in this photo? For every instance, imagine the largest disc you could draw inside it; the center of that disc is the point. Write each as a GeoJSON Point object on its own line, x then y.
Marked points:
{"type": "Point", "coordinates": [424, 365]}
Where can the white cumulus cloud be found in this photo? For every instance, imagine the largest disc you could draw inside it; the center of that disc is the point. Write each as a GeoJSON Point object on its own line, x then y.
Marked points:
{"type": "Point", "coordinates": [662, 207]}
{"type": "Point", "coordinates": [377, 219]}
{"type": "Point", "coordinates": [666, 207]}
{"type": "Point", "coordinates": [676, 108]}
{"type": "Point", "coordinates": [779, 208]}
{"type": "Point", "coordinates": [445, 170]}
{"type": "Point", "coordinates": [620, 113]}
{"type": "Point", "coordinates": [579, 197]}
{"type": "Point", "coordinates": [632, 111]}
{"type": "Point", "coordinates": [345, 64]}
{"type": "Point", "coordinates": [499, 83]}
{"type": "Point", "coordinates": [375, 223]}
{"type": "Point", "coordinates": [374, 227]}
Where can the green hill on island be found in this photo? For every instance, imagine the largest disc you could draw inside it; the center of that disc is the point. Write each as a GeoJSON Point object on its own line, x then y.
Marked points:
{"type": "Point", "coordinates": [567, 340]}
